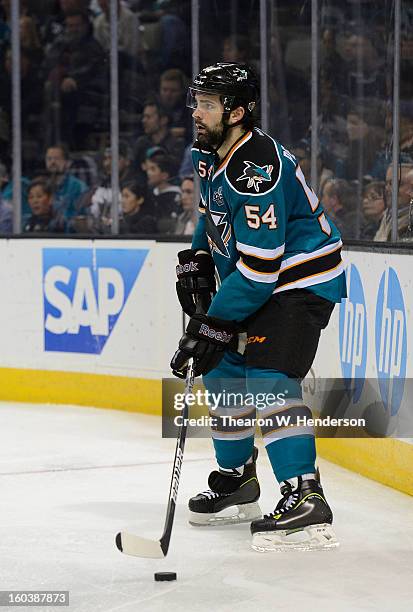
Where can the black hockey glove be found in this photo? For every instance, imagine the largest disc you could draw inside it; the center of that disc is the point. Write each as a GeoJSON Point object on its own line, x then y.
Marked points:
{"type": "Point", "coordinates": [206, 339]}
{"type": "Point", "coordinates": [196, 281]}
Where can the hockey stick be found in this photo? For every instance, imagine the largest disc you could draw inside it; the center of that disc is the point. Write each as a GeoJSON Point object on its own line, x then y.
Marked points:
{"type": "Point", "coordinates": [136, 546]}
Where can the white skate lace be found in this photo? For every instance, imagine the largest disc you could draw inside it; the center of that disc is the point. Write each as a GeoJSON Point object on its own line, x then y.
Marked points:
{"type": "Point", "coordinates": [290, 502]}
{"type": "Point", "coordinates": [210, 494]}
{"type": "Point", "coordinates": [286, 505]}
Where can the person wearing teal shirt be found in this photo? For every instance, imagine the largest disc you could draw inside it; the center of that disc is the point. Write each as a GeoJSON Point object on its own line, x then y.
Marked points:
{"type": "Point", "coordinates": [66, 188]}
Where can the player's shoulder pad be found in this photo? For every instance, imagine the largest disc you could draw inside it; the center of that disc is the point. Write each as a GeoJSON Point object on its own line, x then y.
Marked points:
{"type": "Point", "coordinates": [255, 167]}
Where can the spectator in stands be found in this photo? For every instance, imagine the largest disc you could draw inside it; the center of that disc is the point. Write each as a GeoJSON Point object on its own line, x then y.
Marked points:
{"type": "Point", "coordinates": [236, 48]}
{"type": "Point", "coordinates": [6, 188]}
{"type": "Point", "coordinates": [97, 202]}
{"type": "Point", "coordinates": [187, 219]}
{"type": "Point", "coordinates": [172, 96]}
{"type": "Point", "coordinates": [373, 209]}
{"type": "Point", "coordinates": [404, 205]}
{"type": "Point", "coordinates": [174, 50]}
{"type": "Point", "coordinates": [289, 84]}
{"type": "Point", "coordinates": [76, 78]}
{"type": "Point", "coordinates": [6, 217]}
{"type": "Point", "coordinates": [29, 39]}
{"type": "Point", "coordinates": [44, 218]}
{"type": "Point", "coordinates": [361, 72]}
{"type": "Point", "coordinates": [365, 134]}
{"type": "Point", "coordinates": [406, 133]}
{"type": "Point", "coordinates": [186, 167]}
{"type": "Point", "coordinates": [155, 122]}
{"type": "Point", "coordinates": [136, 219]}
{"type": "Point", "coordinates": [83, 165]}
{"type": "Point", "coordinates": [54, 24]}
{"type": "Point", "coordinates": [302, 151]}
{"type": "Point", "coordinates": [329, 72]}
{"type": "Point", "coordinates": [405, 143]}
{"type": "Point", "coordinates": [126, 170]}
{"type": "Point", "coordinates": [128, 29]}
{"type": "Point", "coordinates": [160, 169]}
{"type": "Point", "coordinates": [153, 151]}
{"type": "Point", "coordinates": [339, 202]}
{"type": "Point", "coordinates": [31, 88]}
{"type": "Point", "coordinates": [66, 188]}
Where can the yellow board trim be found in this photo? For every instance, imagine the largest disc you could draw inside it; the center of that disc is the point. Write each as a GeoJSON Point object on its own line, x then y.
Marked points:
{"type": "Point", "coordinates": [84, 389]}
{"type": "Point", "coordinates": [386, 460]}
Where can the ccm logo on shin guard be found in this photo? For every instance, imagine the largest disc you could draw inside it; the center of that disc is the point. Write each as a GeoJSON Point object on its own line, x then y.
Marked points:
{"type": "Point", "coordinates": [221, 336]}
{"type": "Point", "coordinates": [192, 266]}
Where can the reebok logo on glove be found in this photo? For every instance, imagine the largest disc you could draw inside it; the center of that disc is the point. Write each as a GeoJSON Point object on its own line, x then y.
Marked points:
{"type": "Point", "coordinates": [192, 266]}
{"type": "Point", "coordinates": [221, 336]}
{"type": "Point", "coordinates": [206, 339]}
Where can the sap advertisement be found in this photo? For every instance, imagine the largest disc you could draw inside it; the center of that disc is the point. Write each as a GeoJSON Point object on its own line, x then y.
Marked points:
{"type": "Point", "coordinates": [100, 307]}
{"type": "Point", "coordinates": [84, 293]}
{"type": "Point", "coordinates": [112, 307]}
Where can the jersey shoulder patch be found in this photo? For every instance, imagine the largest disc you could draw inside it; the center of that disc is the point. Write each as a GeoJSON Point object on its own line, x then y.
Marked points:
{"type": "Point", "coordinates": [255, 167]}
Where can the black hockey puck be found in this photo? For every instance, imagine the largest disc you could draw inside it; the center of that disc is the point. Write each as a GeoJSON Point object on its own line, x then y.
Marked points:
{"type": "Point", "coordinates": [164, 576]}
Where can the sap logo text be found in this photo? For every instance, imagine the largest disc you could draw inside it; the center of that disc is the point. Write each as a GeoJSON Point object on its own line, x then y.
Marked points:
{"type": "Point", "coordinates": [391, 341]}
{"type": "Point", "coordinates": [192, 266]}
{"type": "Point", "coordinates": [85, 291]}
{"type": "Point", "coordinates": [86, 309]}
{"type": "Point", "coordinates": [353, 334]}
{"type": "Point", "coordinates": [255, 339]}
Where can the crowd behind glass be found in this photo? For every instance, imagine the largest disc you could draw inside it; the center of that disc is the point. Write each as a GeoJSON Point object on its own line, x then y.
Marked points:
{"type": "Point", "coordinates": [65, 100]}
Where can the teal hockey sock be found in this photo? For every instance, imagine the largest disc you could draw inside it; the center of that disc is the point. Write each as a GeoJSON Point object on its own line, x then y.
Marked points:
{"type": "Point", "coordinates": [292, 456]}
{"type": "Point", "coordinates": [233, 453]}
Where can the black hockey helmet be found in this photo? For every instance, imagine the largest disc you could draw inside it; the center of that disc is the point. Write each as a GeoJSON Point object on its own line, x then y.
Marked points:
{"type": "Point", "coordinates": [236, 83]}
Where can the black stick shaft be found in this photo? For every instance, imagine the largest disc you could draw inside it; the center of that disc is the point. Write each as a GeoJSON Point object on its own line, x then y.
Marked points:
{"type": "Point", "coordinates": [177, 466]}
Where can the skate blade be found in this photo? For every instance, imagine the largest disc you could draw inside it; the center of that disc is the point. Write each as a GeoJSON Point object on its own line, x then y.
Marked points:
{"type": "Point", "coordinates": [313, 537]}
{"type": "Point", "coordinates": [241, 513]}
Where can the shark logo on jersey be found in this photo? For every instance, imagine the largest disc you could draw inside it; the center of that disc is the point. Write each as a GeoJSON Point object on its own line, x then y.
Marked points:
{"type": "Point", "coordinates": [255, 175]}
{"type": "Point", "coordinates": [218, 197]}
{"type": "Point", "coordinates": [218, 230]}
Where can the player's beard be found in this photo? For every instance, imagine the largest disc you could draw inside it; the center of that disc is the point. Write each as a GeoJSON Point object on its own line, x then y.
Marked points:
{"type": "Point", "coordinates": [211, 137]}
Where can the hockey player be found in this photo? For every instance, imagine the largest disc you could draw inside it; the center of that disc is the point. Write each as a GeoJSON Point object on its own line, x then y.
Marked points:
{"type": "Point", "coordinates": [264, 231]}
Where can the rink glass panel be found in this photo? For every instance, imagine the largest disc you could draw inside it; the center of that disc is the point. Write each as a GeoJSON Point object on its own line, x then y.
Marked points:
{"type": "Point", "coordinates": [356, 52]}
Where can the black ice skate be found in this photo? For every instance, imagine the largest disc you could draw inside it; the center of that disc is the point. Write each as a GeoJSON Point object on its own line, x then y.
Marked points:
{"type": "Point", "coordinates": [232, 497]}
{"type": "Point", "coordinates": [302, 520]}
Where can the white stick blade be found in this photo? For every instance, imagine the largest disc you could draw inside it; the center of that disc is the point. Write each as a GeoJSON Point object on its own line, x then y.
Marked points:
{"type": "Point", "coordinates": [136, 546]}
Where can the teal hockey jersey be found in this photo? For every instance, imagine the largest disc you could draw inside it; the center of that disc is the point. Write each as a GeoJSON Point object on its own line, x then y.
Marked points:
{"type": "Point", "coordinates": [264, 226]}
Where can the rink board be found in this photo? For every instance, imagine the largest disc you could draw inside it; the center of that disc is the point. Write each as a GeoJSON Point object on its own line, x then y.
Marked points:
{"type": "Point", "coordinates": [95, 322]}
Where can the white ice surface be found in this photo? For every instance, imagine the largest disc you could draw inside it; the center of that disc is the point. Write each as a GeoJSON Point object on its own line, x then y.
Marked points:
{"type": "Point", "coordinates": [71, 477]}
